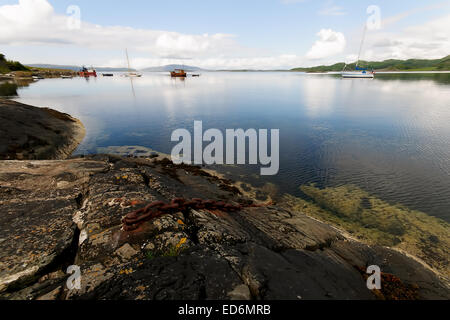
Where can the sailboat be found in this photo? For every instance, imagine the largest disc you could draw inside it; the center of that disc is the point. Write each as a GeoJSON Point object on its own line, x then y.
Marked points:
{"type": "Point", "coordinates": [359, 72]}
{"type": "Point", "coordinates": [129, 73]}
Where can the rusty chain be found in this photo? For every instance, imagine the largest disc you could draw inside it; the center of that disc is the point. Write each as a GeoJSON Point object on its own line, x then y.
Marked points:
{"type": "Point", "coordinates": [158, 208]}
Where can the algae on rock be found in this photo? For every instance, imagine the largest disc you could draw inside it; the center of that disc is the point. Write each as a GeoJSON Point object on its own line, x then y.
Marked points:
{"type": "Point", "coordinates": [375, 221]}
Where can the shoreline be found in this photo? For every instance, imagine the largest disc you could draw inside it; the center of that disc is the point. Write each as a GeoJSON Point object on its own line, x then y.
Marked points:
{"type": "Point", "coordinates": [34, 133]}
{"type": "Point", "coordinates": [254, 249]}
{"type": "Point", "coordinates": [78, 221]}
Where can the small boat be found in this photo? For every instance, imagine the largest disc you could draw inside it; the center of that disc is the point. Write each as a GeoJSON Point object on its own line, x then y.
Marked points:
{"type": "Point", "coordinates": [66, 77]}
{"type": "Point", "coordinates": [358, 72]}
{"type": "Point", "coordinates": [38, 77]}
{"type": "Point", "coordinates": [129, 73]}
{"type": "Point", "coordinates": [196, 75]}
{"type": "Point", "coordinates": [107, 74]}
{"type": "Point", "coordinates": [178, 73]}
{"type": "Point", "coordinates": [132, 75]}
{"type": "Point", "coordinates": [84, 72]}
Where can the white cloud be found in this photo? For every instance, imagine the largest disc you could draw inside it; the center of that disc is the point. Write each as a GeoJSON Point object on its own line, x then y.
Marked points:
{"type": "Point", "coordinates": [430, 40]}
{"type": "Point", "coordinates": [330, 43]}
{"type": "Point", "coordinates": [351, 58]}
{"type": "Point", "coordinates": [35, 22]}
{"type": "Point", "coordinates": [396, 18]}
{"type": "Point", "coordinates": [34, 26]}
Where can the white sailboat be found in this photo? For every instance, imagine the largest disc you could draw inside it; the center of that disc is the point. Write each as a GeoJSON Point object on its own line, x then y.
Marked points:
{"type": "Point", "coordinates": [129, 73]}
{"type": "Point", "coordinates": [359, 72]}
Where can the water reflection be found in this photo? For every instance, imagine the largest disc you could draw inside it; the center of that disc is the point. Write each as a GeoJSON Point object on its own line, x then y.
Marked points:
{"type": "Point", "coordinates": [438, 78]}
{"type": "Point", "coordinates": [8, 88]}
{"type": "Point", "coordinates": [390, 135]}
{"type": "Point", "coordinates": [318, 95]}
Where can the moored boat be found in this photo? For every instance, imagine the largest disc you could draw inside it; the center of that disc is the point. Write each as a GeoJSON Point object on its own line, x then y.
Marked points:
{"type": "Point", "coordinates": [361, 73]}
{"type": "Point", "coordinates": [132, 75]}
{"type": "Point", "coordinates": [178, 73]}
{"type": "Point", "coordinates": [358, 72]}
{"type": "Point", "coordinates": [129, 73]}
{"type": "Point", "coordinates": [84, 72]}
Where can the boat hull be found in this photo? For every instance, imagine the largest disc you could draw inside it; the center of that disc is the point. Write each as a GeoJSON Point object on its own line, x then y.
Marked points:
{"type": "Point", "coordinates": [133, 75]}
{"type": "Point", "coordinates": [368, 75]}
{"type": "Point", "coordinates": [174, 74]}
{"type": "Point", "coordinates": [87, 74]}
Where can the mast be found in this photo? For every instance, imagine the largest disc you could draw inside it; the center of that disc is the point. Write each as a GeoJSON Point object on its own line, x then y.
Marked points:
{"type": "Point", "coordinates": [362, 42]}
{"type": "Point", "coordinates": [128, 60]}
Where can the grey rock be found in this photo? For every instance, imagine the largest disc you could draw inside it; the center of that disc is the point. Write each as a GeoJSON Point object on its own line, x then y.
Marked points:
{"type": "Point", "coordinates": [241, 292]}
{"type": "Point", "coordinates": [256, 253]}
{"type": "Point", "coordinates": [126, 252]}
{"type": "Point", "coordinates": [28, 132]}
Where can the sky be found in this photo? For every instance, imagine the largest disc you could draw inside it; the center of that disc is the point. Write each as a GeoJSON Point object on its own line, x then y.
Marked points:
{"type": "Point", "coordinates": [222, 34]}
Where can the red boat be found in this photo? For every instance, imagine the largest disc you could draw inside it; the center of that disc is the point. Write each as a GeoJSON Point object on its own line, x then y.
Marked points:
{"type": "Point", "coordinates": [87, 73]}
{"type": "Point", "coordinates": [178, 73]}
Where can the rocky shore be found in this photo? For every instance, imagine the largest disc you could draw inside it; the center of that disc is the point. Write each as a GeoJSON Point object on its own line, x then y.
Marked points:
{"type": "Point", "coordinates": [38, 72]}
{"type": "Point", "coordinates": [61, 213]}
{"type": "Point", "coordinates": [28, 132]}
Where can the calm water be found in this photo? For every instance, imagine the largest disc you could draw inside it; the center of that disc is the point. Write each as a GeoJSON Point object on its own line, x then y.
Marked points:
{"type": "Point", "coordinates": [390, 136]}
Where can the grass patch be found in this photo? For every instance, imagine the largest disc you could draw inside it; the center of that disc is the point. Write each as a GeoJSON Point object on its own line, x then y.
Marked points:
{"type": "Point", "coordinates": [9, 65]}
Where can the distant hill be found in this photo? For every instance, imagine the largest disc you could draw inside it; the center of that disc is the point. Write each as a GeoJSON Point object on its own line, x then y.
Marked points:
{"type": "Point", "coordinates": [76, 68]}
{"type": "Point", "coordinates": [106, 69]}
{"type": "Point", "coordinates": [54, 66]}
{"type": "Point", "coordinates": [388, 65]}
{"type": "Point", "coordinates": [171, 67]}
{"type": "Point", "coordinates": [9, 65]}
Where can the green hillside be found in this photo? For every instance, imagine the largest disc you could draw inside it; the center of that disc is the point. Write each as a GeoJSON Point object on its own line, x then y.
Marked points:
{"type": "Point", "coordinates": [8, 65]}
{"type": "Point", "coordinates": [388, 65]}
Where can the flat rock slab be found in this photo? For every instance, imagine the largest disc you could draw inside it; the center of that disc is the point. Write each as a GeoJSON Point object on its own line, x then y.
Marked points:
{"type": "Point", "coordinates": [28, 132]}
{"type": "Point", "coordinates": [37, 203]}
{"type": "Point", "coordinates": [55, 213]}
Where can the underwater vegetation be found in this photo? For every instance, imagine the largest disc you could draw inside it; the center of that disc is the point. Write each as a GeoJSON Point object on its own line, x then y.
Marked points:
{"type": "Point", "coordinates": [375, 221]}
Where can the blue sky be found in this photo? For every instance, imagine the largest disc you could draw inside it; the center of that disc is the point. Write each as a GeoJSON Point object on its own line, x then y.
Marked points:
{"type": "Point", "coordinates": [221, 34]}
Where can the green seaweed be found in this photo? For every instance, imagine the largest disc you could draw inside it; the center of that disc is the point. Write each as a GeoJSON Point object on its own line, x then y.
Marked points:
{"type": "Point", "coordinates": [375, 221]}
